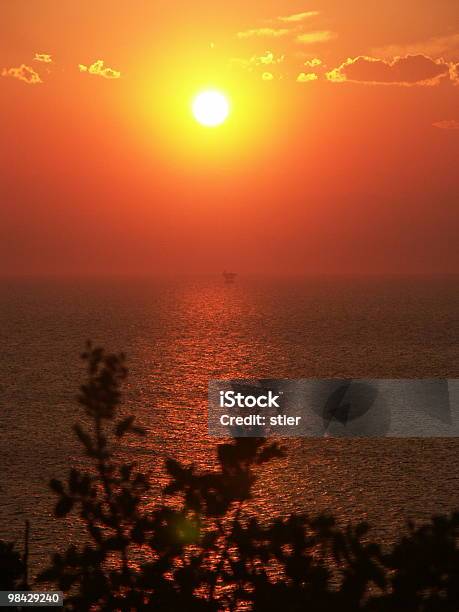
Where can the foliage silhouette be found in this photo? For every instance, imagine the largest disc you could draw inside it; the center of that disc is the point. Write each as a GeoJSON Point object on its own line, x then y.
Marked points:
{"type": "Point", "coordinates": [12, 567]}
{"type": "Point", "coordinates": [205, 551]}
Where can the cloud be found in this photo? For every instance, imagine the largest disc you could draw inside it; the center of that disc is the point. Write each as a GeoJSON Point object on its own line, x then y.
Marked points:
{"type": "Point", "coordinates": [312, 63]}
{"type": "Point", "coordinates": [267, 76]}
{"type": "Point", "coordinates": [306, 77]}
{"type": "Point", "coordinates": [296, 17]}
{"type": "Point", "coordinates": [46, 58]}
{"type": "Point", "coordinates": [23, 73]}
{"type": "Point", "coordinates": [257, 61]}
{"type": "Point", "coordinates": [447, 124]}
{"type": "Point", "coordinates": [309, 38]}
{"type": "Point", "coordinates": [269, 32]}
{"type": "Point", "coordinates": [454, 73]}
{"type": "Point", "coordinates": [267, 58]}
{"type": "Point", "coordinates": [408, 70]}
{"type": "Point", "coordinates": [100, 69]}
{"type": "Point", "coordinates": [434, 47]}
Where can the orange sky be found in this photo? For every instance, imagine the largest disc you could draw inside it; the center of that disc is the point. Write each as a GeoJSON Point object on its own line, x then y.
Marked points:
{"type": "Point", "coordinates": [341, 153]}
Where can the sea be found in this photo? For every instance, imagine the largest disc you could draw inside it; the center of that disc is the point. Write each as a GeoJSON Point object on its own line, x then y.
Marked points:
{"type": "Point", "coordinates": [177, 334]}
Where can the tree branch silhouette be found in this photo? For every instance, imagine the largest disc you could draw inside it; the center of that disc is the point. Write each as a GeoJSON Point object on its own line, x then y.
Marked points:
{"type": "Point", "coordinates": [205, 550]}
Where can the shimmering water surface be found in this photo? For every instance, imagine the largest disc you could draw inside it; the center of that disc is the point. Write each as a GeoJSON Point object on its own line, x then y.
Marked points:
{"type": "Point", "coordinates": [178, 334]}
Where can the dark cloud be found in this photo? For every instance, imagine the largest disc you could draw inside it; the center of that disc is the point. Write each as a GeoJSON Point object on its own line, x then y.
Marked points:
{"type": "Point", "coordinates": [408, 70]}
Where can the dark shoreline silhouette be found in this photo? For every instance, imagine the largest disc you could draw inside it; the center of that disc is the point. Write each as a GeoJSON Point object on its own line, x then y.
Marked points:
{"type": "Point", "coordinates": [202, 548]}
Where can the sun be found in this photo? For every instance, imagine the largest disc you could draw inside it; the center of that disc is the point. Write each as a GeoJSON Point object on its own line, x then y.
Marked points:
{"type": "Point", "coordinates": [210, 108]}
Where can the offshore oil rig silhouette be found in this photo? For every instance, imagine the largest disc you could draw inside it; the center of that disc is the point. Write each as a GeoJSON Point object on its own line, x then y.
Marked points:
{"type": "Point", "coordinates": [229, 277]}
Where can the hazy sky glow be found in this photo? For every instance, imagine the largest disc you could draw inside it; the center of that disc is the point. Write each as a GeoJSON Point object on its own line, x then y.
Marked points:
{"type": "Point", "coordinates": [340, 154]}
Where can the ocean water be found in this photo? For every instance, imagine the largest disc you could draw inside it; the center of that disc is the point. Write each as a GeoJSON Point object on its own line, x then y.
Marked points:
{"type": "Point", "coordinates": [179, 333]}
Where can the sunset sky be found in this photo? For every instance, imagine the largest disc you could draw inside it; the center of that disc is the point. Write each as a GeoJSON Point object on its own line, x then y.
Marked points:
{"type": "Point", "coordinates": [340, 153]}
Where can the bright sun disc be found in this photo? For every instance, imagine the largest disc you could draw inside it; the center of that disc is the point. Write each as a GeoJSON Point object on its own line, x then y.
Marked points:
{"type": "Point", "coordinates": [210, 108]}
